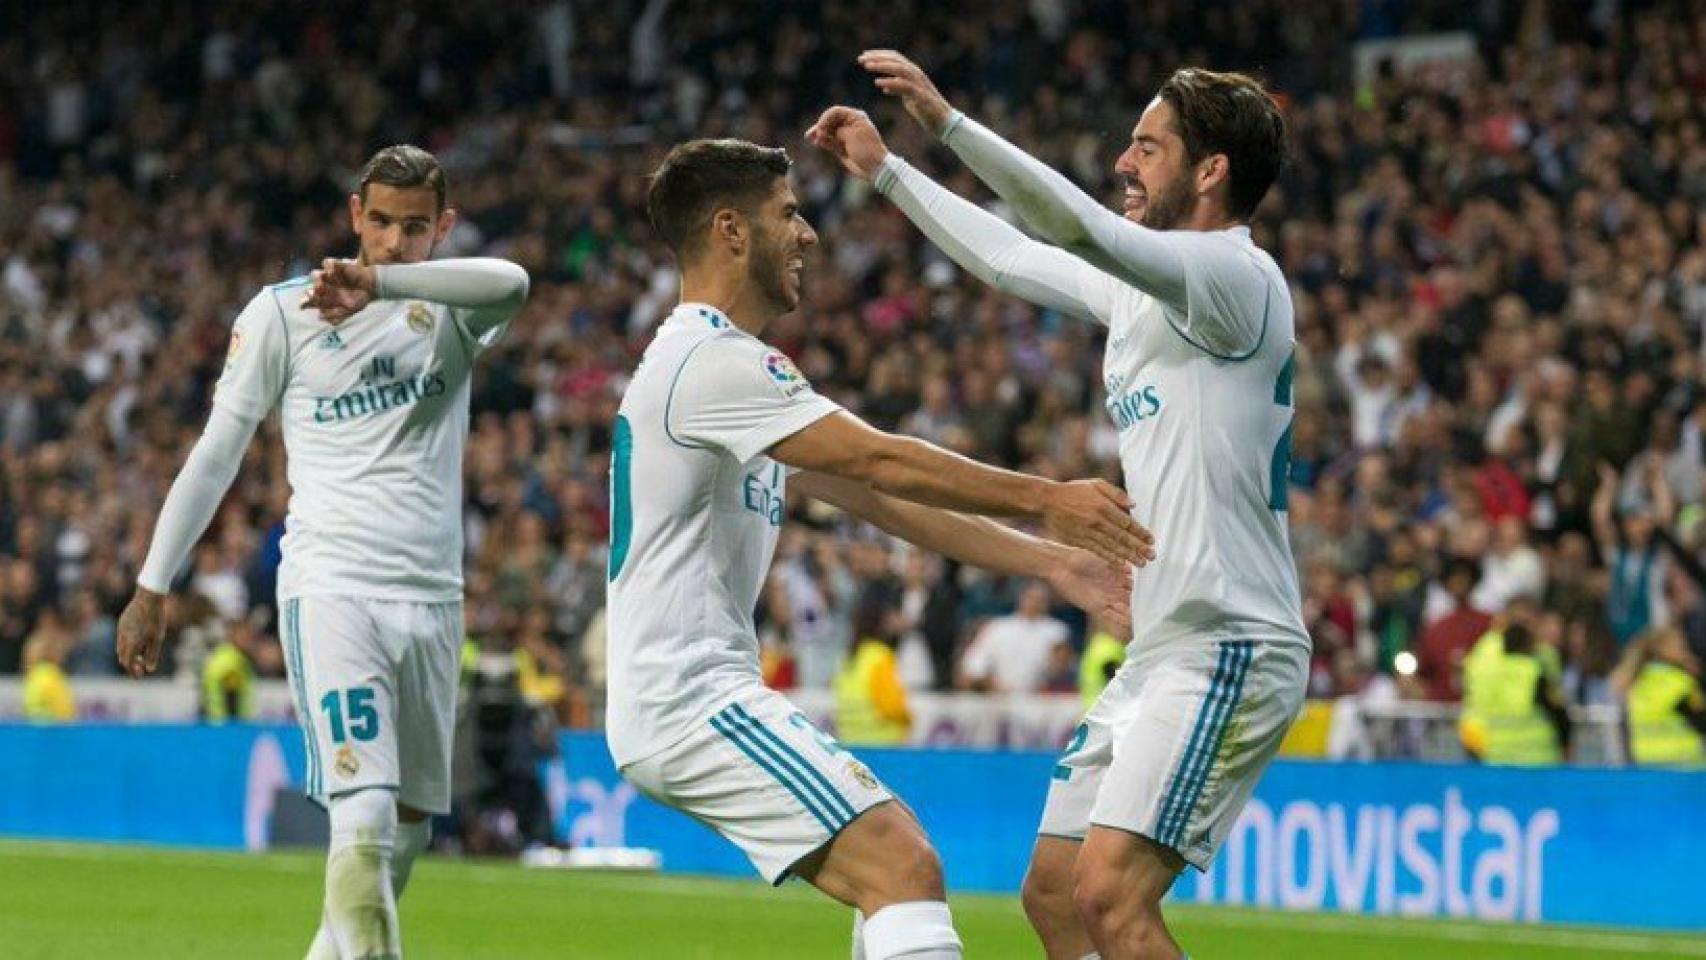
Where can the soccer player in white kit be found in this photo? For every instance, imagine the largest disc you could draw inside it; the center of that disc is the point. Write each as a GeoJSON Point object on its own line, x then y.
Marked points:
{"type": "Point", "coordinates": [712, 428]}
{"type": "Point", "coordinates": [1198, 374]}
{"type": "Point", "coordinates": [368, 363]}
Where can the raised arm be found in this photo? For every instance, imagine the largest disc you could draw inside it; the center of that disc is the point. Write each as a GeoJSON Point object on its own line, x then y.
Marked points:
{"type": "Point", "coordinates": [484, 292]}
{"type": "Point", "coordinates": [983, 244]}
{"type": "Point", "coordinates": [991, 249]}
{"type": "Point", "coordinates": [1053, 205]}
{"type": "Point", "coordinates": [1097, 587]}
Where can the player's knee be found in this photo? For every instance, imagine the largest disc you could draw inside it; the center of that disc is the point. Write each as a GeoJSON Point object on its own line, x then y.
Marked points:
{"type": "Point", "coordinates": [1046, 894]}
{"type": "Point", "coordinates": [909, 864]}
{"type": "Point", "coordinates": [919, 867]}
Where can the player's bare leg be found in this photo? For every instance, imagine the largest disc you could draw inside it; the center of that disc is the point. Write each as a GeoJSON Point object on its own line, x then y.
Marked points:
{"type": "Point", "coordinates": [883, 865]}
{"type": "Point", "coordinates": [1047, 896]}
{"type": "Point", "coordinates": [1118, 884]}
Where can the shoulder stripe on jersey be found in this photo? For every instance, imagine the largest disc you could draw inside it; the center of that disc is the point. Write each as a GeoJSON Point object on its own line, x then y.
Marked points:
{"type": "Point", "coordinates": [670, 400]}
{"type": "Point", "coordinates": [621, 496]}
{"type": "Point", "coordinates": [292, 282]}
{"type": "Point", "coordinates": [1282, 386]}
{"type": "Point", "coordinates": [1267, 303]}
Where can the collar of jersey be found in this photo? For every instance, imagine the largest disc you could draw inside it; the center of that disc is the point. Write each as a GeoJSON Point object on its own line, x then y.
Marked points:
{"type": "Point", "coordinates": [703, 316]}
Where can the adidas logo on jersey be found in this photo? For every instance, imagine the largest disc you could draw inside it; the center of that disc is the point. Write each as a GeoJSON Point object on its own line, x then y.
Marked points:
{"type": "Point", "coordinates": [331, 341]}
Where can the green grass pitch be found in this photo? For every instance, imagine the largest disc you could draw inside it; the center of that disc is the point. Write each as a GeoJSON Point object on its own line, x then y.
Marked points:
{"type": "Point", "coordinates": [139, 903]}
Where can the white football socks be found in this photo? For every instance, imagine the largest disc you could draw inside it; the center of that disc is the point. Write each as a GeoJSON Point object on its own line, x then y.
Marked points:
{"type": "Point", "coordinates": [920, 930]}
{"type": "Point", "coordinates": [360, 906]}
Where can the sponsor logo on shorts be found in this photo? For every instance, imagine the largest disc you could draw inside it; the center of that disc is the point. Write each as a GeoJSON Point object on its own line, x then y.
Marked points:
{"type": "Point", "coordinates": [346, 765]}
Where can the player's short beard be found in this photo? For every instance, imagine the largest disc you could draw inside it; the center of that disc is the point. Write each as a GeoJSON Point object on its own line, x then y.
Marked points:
{"type": "Point", "coordinates": [767, 270]}
{"type": "Point", "coordinates": [1171, 206]}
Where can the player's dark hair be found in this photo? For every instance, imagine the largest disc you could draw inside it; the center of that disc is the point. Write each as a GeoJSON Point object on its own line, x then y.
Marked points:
{"type": "Point", "coordinates": [1230, 113]}
{"type": "Point", "coordinates": [700, 177]}
{"type": "Point", "coordinates": [404, 165]}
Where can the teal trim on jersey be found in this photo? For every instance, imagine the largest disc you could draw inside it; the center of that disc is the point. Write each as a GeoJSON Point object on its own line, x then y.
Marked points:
{"type": "Point", "coordinates": [670, 400]}
{"type": "Point", "coordinates": [1282, 386]}
{"type": "Point", "coordinates": [1224, 692]}
{"type": "Point", "coordinates": [819, 784]}
{"type": "Point", "coordinates": [1279, 473]}
{"type": "Point", "coordinates": [1279, 465]}
{"type": "Point", "coordinates": [621, 496]}
{"type": "Point", "coordinates": [723, 725]}
{"type": "Point", "coordinates": [1267, 303]}
{"type": "Point", "coordinates": [301, 281]}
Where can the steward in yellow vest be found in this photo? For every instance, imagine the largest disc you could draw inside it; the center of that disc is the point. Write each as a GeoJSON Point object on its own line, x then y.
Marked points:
{"type": "Point", "coordinates": [1512, 711]}
{"type": "Point", "coordinates": [1667, 708]}
{"type": "Point", "coordinates": [870, 700]}
{"type": "Point", "coordinates": [227, 684]}
{"type": "Point", "coordinates": [1102, 658]}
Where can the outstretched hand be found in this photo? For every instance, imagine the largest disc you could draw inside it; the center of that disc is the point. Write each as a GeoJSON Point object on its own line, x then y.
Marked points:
{"type": "Point", "coordinates": [850, 136]}
{"type": "Point", "coordinates": [899, 77]}
{"type": "Point", "coordinates": [340, 289]}
{"type": "Point", "coordinates": [1094, 515]}
{"type": "Point", "coordinates": [1097, 587]}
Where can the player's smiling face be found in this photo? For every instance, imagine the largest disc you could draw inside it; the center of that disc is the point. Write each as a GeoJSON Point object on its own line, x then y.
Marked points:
{"type": "Point", "coordinates": [398, 224]}
{"type": "Point", "coordinates": [1158, 191]}
{"type": "Point", "coordinates": [780, 239]}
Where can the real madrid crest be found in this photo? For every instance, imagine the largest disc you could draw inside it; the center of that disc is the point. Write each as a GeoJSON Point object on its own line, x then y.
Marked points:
{"type": "Point", "coordinates": [862, 774]}
{"type": "Point", "coordinates": [419, 318]}
{"type": "Point", "coordinates": [346, 765]}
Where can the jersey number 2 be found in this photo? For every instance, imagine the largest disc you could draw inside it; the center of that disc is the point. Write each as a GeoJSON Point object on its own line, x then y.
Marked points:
{"type": "Point", "coordinates": [1279, 467]}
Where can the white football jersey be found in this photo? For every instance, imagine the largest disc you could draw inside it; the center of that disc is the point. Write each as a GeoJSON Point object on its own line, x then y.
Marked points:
{"type": "Point", "coordinates": [375, 418]}
{"type": "Point", "coordinates": [695, 509]}
{"type": "Point", "coordinates": [1202, 401]}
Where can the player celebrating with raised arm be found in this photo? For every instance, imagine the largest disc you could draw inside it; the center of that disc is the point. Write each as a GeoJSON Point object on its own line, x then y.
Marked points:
{"type": "Point", "coordinates": [1198, 373]}
{"type": "Point", "coordinates": [712, 427]}
{"type": "Point", "coordinates": [368, 361]}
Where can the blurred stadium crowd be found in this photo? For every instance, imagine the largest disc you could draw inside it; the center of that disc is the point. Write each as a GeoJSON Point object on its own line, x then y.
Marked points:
{"type": "Point", "coordinates": [1500, 278]}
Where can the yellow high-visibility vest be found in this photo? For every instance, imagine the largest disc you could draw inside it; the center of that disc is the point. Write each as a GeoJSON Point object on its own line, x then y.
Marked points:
{"type": "Point", "coordinates": [859, 717]}
{"type": "Point", "coordinates": [1501, 718]}
{"type": "Point", "coordinates": [1658, 734]}
{"type": "Point", "coordinates": [1093, 674]}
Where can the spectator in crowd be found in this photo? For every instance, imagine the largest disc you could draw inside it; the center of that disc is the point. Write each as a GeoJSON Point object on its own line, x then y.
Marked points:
{"type": "Point", "coordinates": [1447, 640]}
{"type": "Point", "coordinates": [1011, 654]}
{"type": "Point", "coordinates": [47, 691]}
{"type": "Point", "coordinates": [1659, 678]}
{"type": "Point", "coordinates": [870, 700]}
{"type": "Point", "coordinates": [228, 677]}
{"type": "Point", "coordinates": [1513, 712]}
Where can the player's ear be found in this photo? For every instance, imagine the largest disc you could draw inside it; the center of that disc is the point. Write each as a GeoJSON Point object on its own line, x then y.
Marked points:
{"type": "Point", "coordinates": [1214, 170]}
{"type": "Point", "coordinates": [355, 212]}
{"type": "Point", "coordinates": [446, 223]}
{"type": "Point", "coordinates": [729, 227]}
